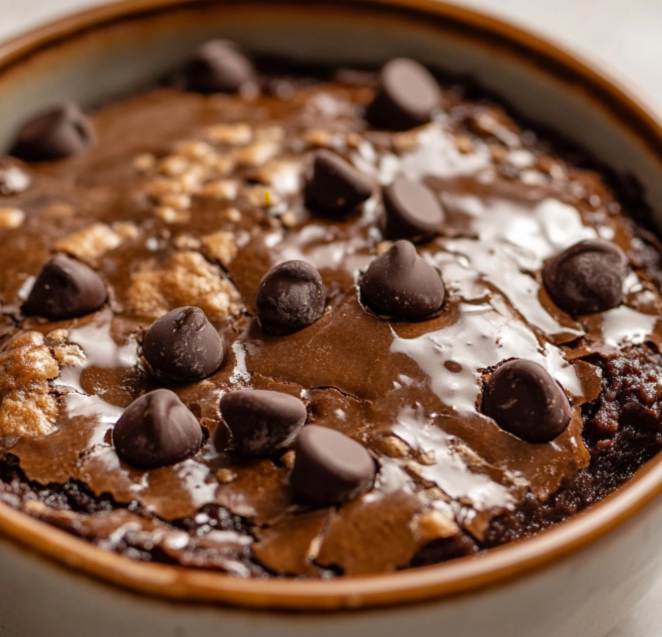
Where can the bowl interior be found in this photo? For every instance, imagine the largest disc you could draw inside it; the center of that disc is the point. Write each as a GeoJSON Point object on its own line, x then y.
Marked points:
{"type": "Point", "coordinates": [114, 51]}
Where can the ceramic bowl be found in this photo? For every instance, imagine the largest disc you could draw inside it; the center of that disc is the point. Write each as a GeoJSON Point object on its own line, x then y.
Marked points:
{"type": "Point", "coordinates": [575, 580]}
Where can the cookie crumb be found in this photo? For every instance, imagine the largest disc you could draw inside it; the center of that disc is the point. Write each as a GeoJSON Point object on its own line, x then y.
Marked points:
{"type": "Point", "coordinates": [225, 475]}
{"type": "Point", "coordinates": [144, 163]}
{"type": "Point", "coordinates": [220, 246]}
{"type": "Point", "coordinates": [28, 408]}
{"type": "Point", "coordinates": [232, 214]}
{"type": "Point", "coordinates": [257, 154]}
{"type": "Point", "coordinates": [90, 243]}
{"type": "Point", "coordinates": [59, 336]}
{"type": "Point", "coordinates": [464, 144]}
{"type": "Point", "coordinates": [256, 196]}
{"type": "Point", "coordinates": [69, 355]}
{"type": "Point", "coordinates": [230, 134]}
{"type": "Point", "coordinates": [11, 217]}
{"type": "Point", "coordinates": [395, 447]}
{"type": "Point", "coordinates": [288, 459]}
{"type": "Point", "coordinates": [434, 525]}
{"type": "Point", "coordinates": [168, 214]}
{"type": "Point", "coordinates": [383, 247]}
{"type": "Point", "coordinates": [220, 189]}
{"type": "Point", "coordinates": [319, 138]}
{"type": "Point", "coordinates": [186, 242]}
{"type": "Point", "coordinates": [126, 229]}
{"type": "Point", "coordinates": [186, 279]}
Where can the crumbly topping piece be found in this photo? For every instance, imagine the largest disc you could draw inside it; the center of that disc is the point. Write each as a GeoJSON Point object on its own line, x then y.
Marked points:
{"type": "Point", "coordinates": [11, 217]}
{"type": "Point", "coordinates": [394, 447]}
{"type": "Point", "coordinates": [261, 196]}
{"type": "Point", "coordinates": [434, 524]}
{"type": "Point", "coordinates": [28, 408]}
{"type": "Point", "coordinates": [69, 355]}
{"type": "Point", "coordinates": [282, 174]}
{"type": "Point", "coordinates": [220, 246]}
{"type": "Point", "coordinates": [144, 162]}
{"type": "Point", "coordinates": [168, 214]}
{"type": "Point", "coordinates": [91, 242]}
{"type": "Point", "coordinates": [257, 154]}
{"type": "Point", "coordinates": [186, 279]}
{"type": "Point", "coordinates": [320, 138]}
{"type": "Point", "coordinates": [223, 189]}
{"type": "Point", "coordinates": [126, 229]}
{"type": "Point", "coordinates": [231, 134]}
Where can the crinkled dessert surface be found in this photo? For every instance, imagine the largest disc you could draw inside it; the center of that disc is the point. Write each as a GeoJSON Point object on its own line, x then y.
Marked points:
{"type": "Point", "coordinates": [189, 200]}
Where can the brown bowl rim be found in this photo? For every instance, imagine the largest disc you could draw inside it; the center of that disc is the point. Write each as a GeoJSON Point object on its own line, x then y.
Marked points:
{"type": "Point", "coordinates": [458, 577]}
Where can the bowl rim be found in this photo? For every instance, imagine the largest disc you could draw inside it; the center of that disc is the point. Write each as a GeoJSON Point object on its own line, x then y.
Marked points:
{"type": "Point", "coordinates": [458, 577]}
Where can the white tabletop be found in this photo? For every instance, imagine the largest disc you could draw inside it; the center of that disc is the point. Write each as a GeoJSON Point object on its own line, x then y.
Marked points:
{"type": "Point", "coordinates": [626, 37]}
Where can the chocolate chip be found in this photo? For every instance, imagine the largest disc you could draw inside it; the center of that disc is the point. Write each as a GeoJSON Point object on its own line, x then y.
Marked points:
{"type": "Point", "coordinates": [291, 296]}
{"type": "Point", "coordinates": [406, 96]}
{"type": "Point", "coordinates": [60, 132]}
{"type": "Point", "coordinates": [526, 401]}
{"type": "Point", "coordinates": [329, 467]}
{"type": "Point", "coordinates": [64, 289]}
{"type": "Point", "coordinates": [261, 421]}
{"type": "Point", "coordinates": [335, 186]}
{"type": "Point", "coordinates": [412, 210]}
{"type": "Point", "coordinates": [156, 430]}
{"type": "Point", "coordinates": [183, 346]}
{"type": "Point", "coordinates": [218, 67]}
{"type": "Point", "coordinates": [402, 285]}
{"type": "Point", "coordinates": [587, 277]}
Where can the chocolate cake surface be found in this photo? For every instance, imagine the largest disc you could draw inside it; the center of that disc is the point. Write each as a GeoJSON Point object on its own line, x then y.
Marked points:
{"type": "Point", "coordinates": [277, 321]}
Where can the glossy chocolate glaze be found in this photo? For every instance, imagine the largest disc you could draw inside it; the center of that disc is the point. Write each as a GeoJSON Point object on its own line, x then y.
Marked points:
{"type": "Point", "coordinates": [190, 200]}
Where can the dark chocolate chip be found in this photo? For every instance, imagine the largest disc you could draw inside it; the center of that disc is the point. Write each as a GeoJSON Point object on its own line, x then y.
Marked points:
{"type": "Point", "coordinates": [329, 467]}
{"type": "Point", "coordinates": [218, 67]}
{"type": "Point", "coordinates": [291, 296]}
{"type": "Point", "coordinates": [57, 133]}
{"type": "Point", "coordinates": [412, 211]}
{"type": "Point", "coordinates": [183, 346]}
{"type": "Point", "coordinates": [527, 402]}
{"type": "Point", "coordinates": [64, 289]}
{"type": "Point", "coordinates": [335, 186]}
{"type": "Point", "coordinates": [261, 421]}
{"type": "Point", "coordinates": [402, 285]}
{"type": "Point", "coordinates": [587, 277]}
{"type": "Point", "coordinates": [406, 96]}
{"type": "Point", "coordinates": [156, 430]}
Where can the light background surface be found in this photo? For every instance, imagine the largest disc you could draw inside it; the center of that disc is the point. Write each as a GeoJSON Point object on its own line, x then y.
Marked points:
{"type": "Point", "coordinates": [624, 37]}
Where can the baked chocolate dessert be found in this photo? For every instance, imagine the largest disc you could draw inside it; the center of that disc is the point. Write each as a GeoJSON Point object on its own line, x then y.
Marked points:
{"type": "Point", "coordinates": [284, 321]}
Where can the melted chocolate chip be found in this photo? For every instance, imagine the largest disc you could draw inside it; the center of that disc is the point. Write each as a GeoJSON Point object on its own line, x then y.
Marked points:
{"type": "Point", "coordinates": [218, 67]}
{"type": "Point", "coordinates": [183, 346]}
{"type": "Point", "coordinates": [156, 430]}
{"type": "Point", "coordinates": [329, 467]}
{"type": "Point", "coordinates": [261, 421]}
{"type": "Point", "coordinates": [65, 288]}
{"type": "Point", "coordinates": [57, 133]}
{"type": "Point", "coordinates": [402, 285]}
{"type": "Point", "coordinates": [291, 296]}
{"type": "Point", "coordinates": [335, 186]}
{"type": "Point", "coordinates": [406, 96]}
{"type": "Point", "coordinates": [527, 402]}
{"type": "Point", "coordinates": [412, 211]}
{"type": "Point", "coordinates": [587, 277]}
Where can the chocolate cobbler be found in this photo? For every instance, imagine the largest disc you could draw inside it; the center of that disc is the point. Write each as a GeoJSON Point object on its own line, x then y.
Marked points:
{"type": "Point", "coordinates": [277, 320]}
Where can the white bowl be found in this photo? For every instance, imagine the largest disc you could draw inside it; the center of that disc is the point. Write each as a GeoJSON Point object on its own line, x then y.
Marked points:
{"type": "Point", "coordinates": [575, 580]}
